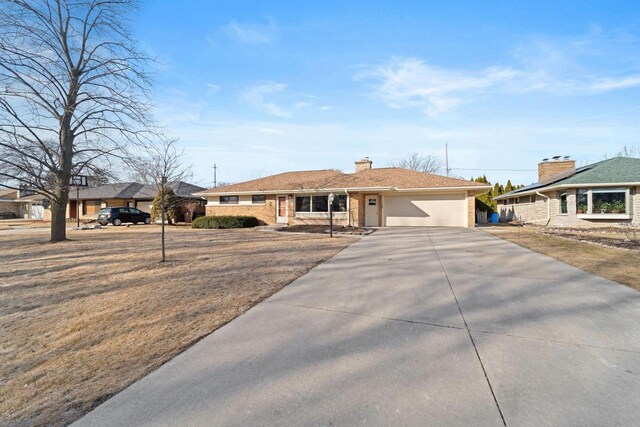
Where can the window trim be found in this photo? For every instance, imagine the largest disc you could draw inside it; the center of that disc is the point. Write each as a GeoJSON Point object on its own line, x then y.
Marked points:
{"type": "Point", "coordinates": [261, 202]}
{"type": "Point", "coordinates": [311, 211]}
{"type": "Point", "coordinates": [237, 200]}
{"type": "Point", "coordinates": [590, 214]}
{"type": "Point", "coordinates": [295, 204]}
{"type": "Point", "coordinates": [566, 203]}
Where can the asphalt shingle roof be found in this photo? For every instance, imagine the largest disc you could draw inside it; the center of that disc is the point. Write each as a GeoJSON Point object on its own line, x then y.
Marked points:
{"type": "Point", "coordinates": [329, 179]}
{"type": "Point", "coordinates": [616, 170]}
{"type": "Point", "coordinates": [132, 190]}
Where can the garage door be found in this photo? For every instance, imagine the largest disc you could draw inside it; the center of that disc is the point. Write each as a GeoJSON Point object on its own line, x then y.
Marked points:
{"type": "Point", "coordinates": [425, 210]}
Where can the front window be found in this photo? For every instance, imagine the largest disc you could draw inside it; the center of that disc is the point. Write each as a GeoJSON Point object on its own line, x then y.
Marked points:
{"type": "Point", "coordinates": [608, 200]}
{"type": "Point", "coordinates": [303, 203]}
{"type": "Point", "coordinates": [320, 203]}
{"type": "Point", "coordinates": [228, 200]}
{"type": "Point", "coordinates": [563, 203]}
{"type": "Point", "coordinates": [339, 203]}
{"type": "Point", "coordinates": [90, 207]}
{"type": "Point", "coordinates": [258, 199]}
{"type": "Point", "coordinates": [582, 201]}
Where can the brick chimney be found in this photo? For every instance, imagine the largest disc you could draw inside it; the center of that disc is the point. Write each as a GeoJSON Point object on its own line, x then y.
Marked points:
{"type": "Point", "coordinates": [558, 164]}
{"type": "Point", "coordinates": [363, 164]}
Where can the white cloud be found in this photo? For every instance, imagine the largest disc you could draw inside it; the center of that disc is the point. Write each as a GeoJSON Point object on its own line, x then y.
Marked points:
{"type": "Point", "coordinates": [410, 82]}
{"type": "Point", "coordinates": [560, 67]}
{"type": "Point", "coordinates": [274, 99]}
{"type": "Point", "coordinates": [260, 97]}
{"type": "Point", "coordinates": [251, 33]}
{"type": "Point", "coordinates": [213, 88]}
{"type": "Point", "coordinates": [607, 84]}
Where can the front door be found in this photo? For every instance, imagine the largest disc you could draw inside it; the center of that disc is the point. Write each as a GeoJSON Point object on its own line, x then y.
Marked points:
{"type": "Point", "coordinates": [371, 211]}
{"type": "Point", "coordinates": [281, 210]}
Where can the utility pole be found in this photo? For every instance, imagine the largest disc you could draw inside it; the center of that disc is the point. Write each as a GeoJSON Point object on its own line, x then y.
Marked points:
{"type": "Point", "coordinates": [215, 177]}
{"type": "Point", "coordinates": [446, 157]}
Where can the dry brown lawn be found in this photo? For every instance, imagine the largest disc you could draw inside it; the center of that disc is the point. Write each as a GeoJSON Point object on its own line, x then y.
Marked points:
{"type": "Point", "coordinates": [620, 265]}
{"type": "Point", "coordinates": [81, 320]}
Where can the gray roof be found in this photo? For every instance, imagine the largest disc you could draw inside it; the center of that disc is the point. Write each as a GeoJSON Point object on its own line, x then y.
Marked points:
{"type": "Point", "coordinates": [132, 190]}
{"type": "Point", "coordinates": [611, 171]}
{"type": "Point", "coordinates": [617, 170]}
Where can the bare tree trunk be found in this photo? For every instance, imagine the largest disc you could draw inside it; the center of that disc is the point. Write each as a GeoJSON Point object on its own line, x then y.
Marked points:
{"type": "Point", "coordinates": [163, 218]}
{"type": "Point", "coordinates": [59, 218]}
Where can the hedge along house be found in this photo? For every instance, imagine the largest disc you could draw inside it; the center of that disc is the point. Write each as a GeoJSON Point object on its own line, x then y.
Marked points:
{"type": "Point", "coordinates": [367, 197]}
{"type": "Point", "coordinates": [600, 194]}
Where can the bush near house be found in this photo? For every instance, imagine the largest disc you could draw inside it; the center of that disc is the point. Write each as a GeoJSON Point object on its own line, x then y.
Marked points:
{"type": "Point", "coordinates": [226, 221]}
{"type": "Point", "coordinates": [171, 203]}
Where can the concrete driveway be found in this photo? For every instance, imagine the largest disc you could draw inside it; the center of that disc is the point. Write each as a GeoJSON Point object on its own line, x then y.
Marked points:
{"type": "Point", "coordinates": [411, 327]}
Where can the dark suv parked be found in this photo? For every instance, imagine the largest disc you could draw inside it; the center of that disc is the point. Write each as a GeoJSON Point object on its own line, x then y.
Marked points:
{"type": "Point", "coordinates": [117, 216]}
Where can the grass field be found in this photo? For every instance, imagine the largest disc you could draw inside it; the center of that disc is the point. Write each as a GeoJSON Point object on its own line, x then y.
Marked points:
{"type": "Point", "coordinates": [620, 265]}
{"type": "Point", "coordinates": [82, 319]}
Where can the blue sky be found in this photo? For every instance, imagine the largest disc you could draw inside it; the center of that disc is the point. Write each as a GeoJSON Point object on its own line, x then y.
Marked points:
{"type": "Point", "coordinates": [266, 87]}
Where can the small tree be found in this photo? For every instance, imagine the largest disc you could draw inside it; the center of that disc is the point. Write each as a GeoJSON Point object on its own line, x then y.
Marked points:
{"type": "Point", "coordinates": [162, 165]}
{"type": "Point", "coordinates": [418, 162]}
{"type": "Point", "coordinates": [190, 207]}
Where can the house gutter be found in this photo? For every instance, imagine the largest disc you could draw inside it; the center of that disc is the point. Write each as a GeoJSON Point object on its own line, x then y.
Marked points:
{"type": "Point", "coordinates": [329, 190]}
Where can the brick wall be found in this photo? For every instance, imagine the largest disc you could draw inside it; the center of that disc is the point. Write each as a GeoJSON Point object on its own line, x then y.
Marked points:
{"type": "Point", "coordinates": [265, 213]}
{"type": "Point", "coordinates": [10, 207]}
{"type": "Point", "coordinates": [471, 208]}
{"type": "Point", "coordinates": [550, 168]}
{"type": "Point", "coordinates": [526, 212]}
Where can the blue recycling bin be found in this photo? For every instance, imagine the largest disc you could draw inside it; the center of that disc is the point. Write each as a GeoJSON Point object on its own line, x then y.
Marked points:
{"type": "Point", "coordinates": [495, 218]}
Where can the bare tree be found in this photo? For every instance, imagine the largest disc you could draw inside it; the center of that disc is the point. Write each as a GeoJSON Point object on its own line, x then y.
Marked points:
{"type": "Point", "coordinates": [629, 151]}
{"type": "Point", "coordinates": [419, 162]}
{"type": "Point", "coordinates": [163, 165]}
{"type": "Point", "coordinates": [138, 172]}
{"type": "Point", "coordinates": [190, 206]}
{"type": "Point", "coordinates": [73, 94]}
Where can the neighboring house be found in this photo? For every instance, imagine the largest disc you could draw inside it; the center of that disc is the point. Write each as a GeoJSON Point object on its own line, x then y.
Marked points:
{"type": "Point", "coordinates": [21, 204]}
{"type": "Point", "coordinates": [368, 197]}
{"type": "Point", "coordinates": [600, 194]}
{"type": "Point", "coordinates": [90, 200]}
{"type": "Point", "coordinates": [9, 207]}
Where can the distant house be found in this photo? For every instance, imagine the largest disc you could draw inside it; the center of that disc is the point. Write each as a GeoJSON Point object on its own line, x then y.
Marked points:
{"type": "Point", "coordinates": [9, 208]}
{"type": "Point", "coordinates": [21, 204]}
{"type": "Point", "coordinates": [131, 194]}
{"type": "Point", "coordinates": [599, 194]}
{"type": "Point", "coordinates": [367, 197]}
{"type": "Point", "coordinates": [88, 201]}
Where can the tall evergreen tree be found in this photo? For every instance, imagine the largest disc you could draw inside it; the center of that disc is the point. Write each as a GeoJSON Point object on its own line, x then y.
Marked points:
{"type": "Point", "coordinates": [509, 187]}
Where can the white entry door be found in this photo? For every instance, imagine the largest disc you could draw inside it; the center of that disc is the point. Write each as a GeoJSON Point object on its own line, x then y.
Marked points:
{"type": "Point", "coordinates": [371, 211]}
{"type": "Point", "coordinates": [282, 210]}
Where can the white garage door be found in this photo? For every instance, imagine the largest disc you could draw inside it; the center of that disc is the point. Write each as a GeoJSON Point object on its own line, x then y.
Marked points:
{"type": "Point", "coordinates": [425, 210]}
